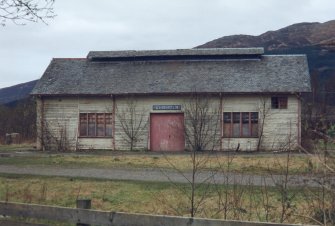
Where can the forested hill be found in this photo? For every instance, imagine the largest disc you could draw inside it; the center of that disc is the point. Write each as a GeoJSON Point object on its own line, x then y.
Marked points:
{"type": "Point", "coordinates": [18, 92]}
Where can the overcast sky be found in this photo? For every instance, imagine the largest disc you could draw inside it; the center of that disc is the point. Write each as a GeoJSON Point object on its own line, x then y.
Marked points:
{"type": "Point", "coordinates": [83, 25]}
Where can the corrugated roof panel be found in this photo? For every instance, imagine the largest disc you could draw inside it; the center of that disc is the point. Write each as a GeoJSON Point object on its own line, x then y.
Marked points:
{"type": "Point", "coordinates": [179, 53]}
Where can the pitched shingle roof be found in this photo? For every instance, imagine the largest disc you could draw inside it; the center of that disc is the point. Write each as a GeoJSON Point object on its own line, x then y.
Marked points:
{"type": "Point", "coordinates": [127, 73]}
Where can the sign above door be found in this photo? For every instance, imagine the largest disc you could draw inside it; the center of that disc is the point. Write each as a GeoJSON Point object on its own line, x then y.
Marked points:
{"type": "Point", "coordinates": [166, 107]}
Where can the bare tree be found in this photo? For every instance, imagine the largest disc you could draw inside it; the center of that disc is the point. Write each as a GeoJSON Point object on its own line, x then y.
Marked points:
{"type": "Point", "coordinates": [201, 123]}
{"type": "Point", "coordinates": [264, 109]}
{"type": "Point", "coordinates": [225, 197]}
{"type": "Point", "coordinates": [201, 134]}
{"type": "Point", "coordinates": [54, 133]}
{"type": "Point", "coordinates": [282, 182]}
{"type": "Point", "coordinates": [266, 204]}
{"type": "Point", "coordinates": [319, 139]}
{"type": "Point", "coordinates": [133, 122]}
{"type": "Point", "coordinates": [321, 201]}
{"type": "Point", "coordinates": [21, 11]}
{"type": "Point", "coordinates": [234, 200]}
{"type": "Point", "coordinates": [55, 136]}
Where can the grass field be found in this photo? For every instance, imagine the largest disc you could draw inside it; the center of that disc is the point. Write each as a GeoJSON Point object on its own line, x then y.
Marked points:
{"type": "Point", "coordinates": [259, 164]}
{"type": "Point", "coordinates": [17, 147]}
{"type": "Point", "coordinates": [249, 203]}
{"type": "Point", "coordinates": [246, 203]}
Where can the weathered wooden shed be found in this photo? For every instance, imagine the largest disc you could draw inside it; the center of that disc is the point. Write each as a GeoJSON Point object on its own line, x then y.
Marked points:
{"type": "Point", "coordinates": [90, 103]}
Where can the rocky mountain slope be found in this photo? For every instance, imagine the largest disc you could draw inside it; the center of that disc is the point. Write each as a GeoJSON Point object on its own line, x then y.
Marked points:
{"type": "Point", "coordinates": [316, 40]}
{"type": "Point", "coordinates": [294, 36]}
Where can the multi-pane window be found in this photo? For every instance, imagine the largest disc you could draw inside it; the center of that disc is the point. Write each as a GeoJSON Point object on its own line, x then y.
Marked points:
{"type": "Point", "coordinates": [95, 124]}
{"type": "Point", "coordinates": [279, 102]}
{"type": "Point", "coordinates": [236, 124]}
{"type": "Point", "coordinates": [240, 124]}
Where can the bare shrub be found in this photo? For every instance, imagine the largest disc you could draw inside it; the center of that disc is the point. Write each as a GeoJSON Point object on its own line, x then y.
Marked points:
{"type": "Point", "coordinates": [55, 136]}
{"type": "Point", "coordinates": [201, 135]}
{"type": "Point", "coordinates": [133, 122]}
{"type": "Point", "coordinates": [264, 109]}
{"type": "Point", "coordinates": [321, 201]}
{"type": "Point", "coordinates": [202, 123]}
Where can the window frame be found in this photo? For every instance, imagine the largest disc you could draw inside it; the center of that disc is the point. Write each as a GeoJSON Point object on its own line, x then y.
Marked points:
{"type": "Point", "coordinates": [110, 117]}
{"type": "Point", "coordinates": [279, 102]}
{"type": "Point", "coordinates": [250, 123]}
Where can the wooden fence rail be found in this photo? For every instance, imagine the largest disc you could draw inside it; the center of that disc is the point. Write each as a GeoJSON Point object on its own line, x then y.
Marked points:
{"type": "Point", "coordinates": [94, 217]}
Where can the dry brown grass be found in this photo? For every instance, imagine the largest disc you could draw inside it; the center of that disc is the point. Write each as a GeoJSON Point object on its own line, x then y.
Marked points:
{"type": "Point", "coordinates": [17, 147]}
{"type": "Point", "coordinates": [140, 197]}
{"type": "Point", "coordinates": [299, 164]}
{"type": "Point", "coordinates": [250, 164]}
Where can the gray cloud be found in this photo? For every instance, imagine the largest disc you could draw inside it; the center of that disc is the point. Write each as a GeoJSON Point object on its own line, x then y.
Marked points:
{"type": "Point", "coordinates": [142, 24]}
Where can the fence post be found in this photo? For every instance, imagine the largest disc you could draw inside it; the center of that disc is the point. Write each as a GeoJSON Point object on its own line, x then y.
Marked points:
{"type": "Point", "coordinates": [83, 204]}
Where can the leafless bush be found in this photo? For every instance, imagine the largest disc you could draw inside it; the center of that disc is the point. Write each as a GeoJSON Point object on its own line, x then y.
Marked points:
{"type": "Point", "coordinates": [223, 193]}
{"type": "Point", "coordinates": [43, 192]}
{"type": "Point", "coordinates": [201, 123]}
{"type": "Point", "coordinates": [55, 136]}
{"type": "Point", "coordinates": [281, 181]}
{"type": "Point", "coordinates": [265, 109]}
{"type": "Point", "coordinates": [231, 195]}
{"type": "Point", "coordinates": [267, 207]}
{"type": "Point", "coordinates": [133, 122]}
{"type": "Point", "coordinates": [321, 201]}
{"type": "Point", "coordinates": [201, 135]}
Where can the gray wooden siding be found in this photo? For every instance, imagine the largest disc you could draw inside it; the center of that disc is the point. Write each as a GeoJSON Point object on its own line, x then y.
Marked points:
{"type": "Point", "coordinates": [62, 114]}
{"type": "Point", "coordinates": [39, 118]}
{"type": "Point", "coordinates": [280, 125]}
{"type": "Point", "coordinates": [143, 106]}
{"type": "Point", "coordinates": [61, 119]}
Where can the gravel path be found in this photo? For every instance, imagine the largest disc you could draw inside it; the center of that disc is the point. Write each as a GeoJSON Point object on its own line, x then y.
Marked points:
{"type": "Point", "coordinates": [158, 175]}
